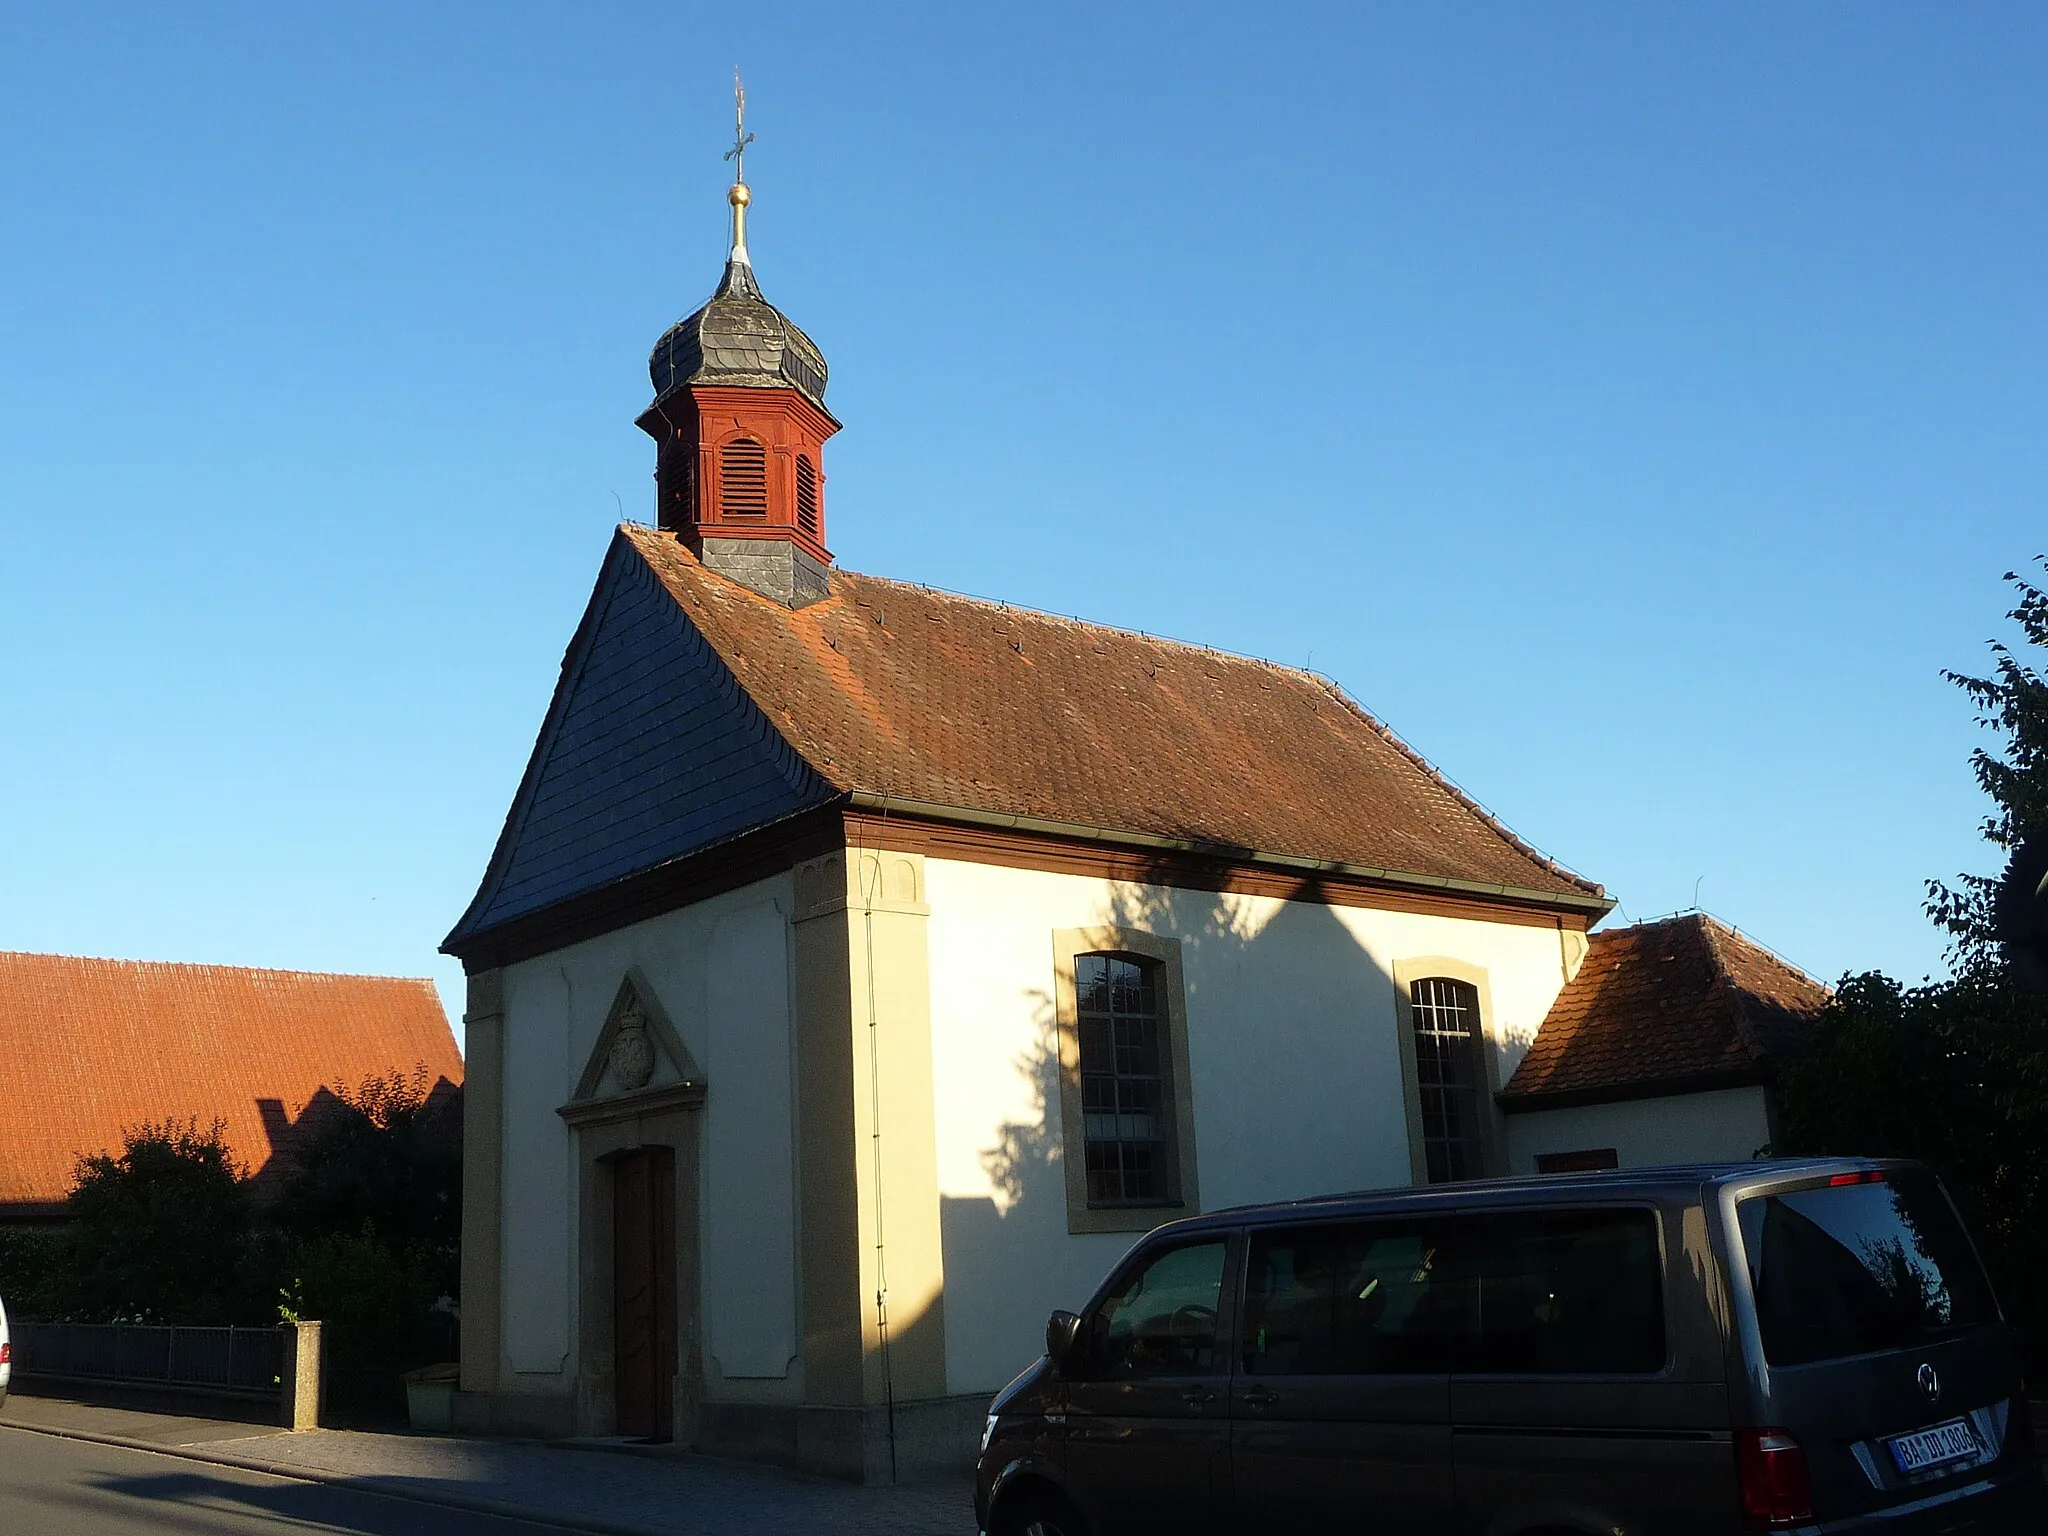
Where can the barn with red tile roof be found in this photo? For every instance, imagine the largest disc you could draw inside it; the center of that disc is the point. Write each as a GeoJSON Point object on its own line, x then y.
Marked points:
{"type": "Point", "coordinates": [94, 1047]}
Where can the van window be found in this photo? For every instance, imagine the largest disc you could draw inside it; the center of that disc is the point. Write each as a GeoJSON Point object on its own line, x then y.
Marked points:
{"type": "Point", "coordinates": [1566, 1293]}
{"type": "Point", "coordinates": [1349, 1300]}
{"type": "Point", "coordinates": [1161, 1321]}
{"type": "Point", "coordinates": [1850, 1269]}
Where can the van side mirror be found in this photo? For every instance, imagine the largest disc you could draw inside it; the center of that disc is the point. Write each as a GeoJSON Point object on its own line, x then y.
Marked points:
{"type": "Point", "coordinates": [1062, 1332]}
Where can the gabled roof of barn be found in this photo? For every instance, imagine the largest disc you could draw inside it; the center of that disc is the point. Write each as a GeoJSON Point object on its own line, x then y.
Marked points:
{"type": "Point", "coordinates": [93, 1047]}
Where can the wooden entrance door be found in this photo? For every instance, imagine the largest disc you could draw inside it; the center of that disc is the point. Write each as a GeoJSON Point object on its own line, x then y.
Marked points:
{"type": "Point", "coordinates": [644, 1290]}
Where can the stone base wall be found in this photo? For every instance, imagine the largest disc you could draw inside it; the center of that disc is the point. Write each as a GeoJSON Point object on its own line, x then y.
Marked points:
{"type": "Point", "coordinates": [932, 1438]}
{"type": "Point", "coordinates": [521, 1414]}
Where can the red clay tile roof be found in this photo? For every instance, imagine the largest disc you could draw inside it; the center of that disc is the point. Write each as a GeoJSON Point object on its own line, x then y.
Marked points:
{"type": "Point", "coordinates": [892, 689]}
{"type": "Point", "coordinates": [90, 1047]}
{"type": "Point", "coordinates": [1662, 1006]}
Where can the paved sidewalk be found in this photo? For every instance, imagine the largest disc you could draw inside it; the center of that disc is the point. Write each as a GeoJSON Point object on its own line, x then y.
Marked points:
{"type": "Point", "coordinates": [612, 1492]}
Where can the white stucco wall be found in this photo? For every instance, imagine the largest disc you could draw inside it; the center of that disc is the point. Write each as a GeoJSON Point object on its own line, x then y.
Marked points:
{"type": "Point", "coordinates": [1293, 1054]}
{"type": "Point", "coordinates": [749, 1255]}
{"type": "Point", "coordinates": [1727, 1125]}
{"type": "Point", "coordinates": [720, 971]}
{"type": "Point", "coordinates": [539, 1217]}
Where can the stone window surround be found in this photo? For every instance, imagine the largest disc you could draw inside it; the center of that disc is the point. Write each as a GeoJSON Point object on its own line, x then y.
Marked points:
{"type": "Point", "coordinates": [1177, 1098]}
{"type": "Point", "coordinates": [1492, 1133]}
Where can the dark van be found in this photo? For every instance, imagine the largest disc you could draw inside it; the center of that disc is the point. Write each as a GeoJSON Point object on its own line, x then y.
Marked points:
{"type": "Point", "coordinates": [1804, 1346]}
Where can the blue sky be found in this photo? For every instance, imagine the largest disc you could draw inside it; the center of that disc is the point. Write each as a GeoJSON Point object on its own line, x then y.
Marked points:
{"type": "Point", "coordinates": [1635, 407]}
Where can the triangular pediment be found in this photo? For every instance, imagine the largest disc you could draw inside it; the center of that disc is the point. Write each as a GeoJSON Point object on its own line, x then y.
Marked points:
{"type": "Point", "coordinates": [637, 1052]}
{"type": "Point", "coordinates": [651, 751]}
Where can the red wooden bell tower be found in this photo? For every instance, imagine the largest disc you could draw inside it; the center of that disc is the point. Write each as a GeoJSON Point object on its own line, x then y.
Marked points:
{"type": "Point", "coordinates": [740, 424]}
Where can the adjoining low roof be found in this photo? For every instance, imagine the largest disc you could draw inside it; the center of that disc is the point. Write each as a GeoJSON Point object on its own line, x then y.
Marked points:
{"type": "Point", "coordinates": [92, 1047]}
{"type": "Point", "coordinates": [886, 688]}
{"type": "Point", "coordinates": [1681, 1004]}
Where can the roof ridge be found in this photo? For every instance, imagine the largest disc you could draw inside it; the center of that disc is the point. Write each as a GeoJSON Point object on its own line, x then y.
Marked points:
{"type": "Point", "coordinates": [1003, 605]}
{"type": "Point", "coordinates": [209, 965]}
{"type": "Point", "coordinates": [1719, 933]}
{"type": "Point", "coordinates": [1719, 930]}
{"type": "Point", "coordinates": [1722, 985]}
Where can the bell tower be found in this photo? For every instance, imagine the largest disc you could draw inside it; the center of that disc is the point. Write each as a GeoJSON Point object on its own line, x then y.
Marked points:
{"type": "Point", "coordinates": [739, 423]}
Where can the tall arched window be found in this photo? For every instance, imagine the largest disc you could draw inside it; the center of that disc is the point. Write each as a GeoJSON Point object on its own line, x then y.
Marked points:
{"type": "Point", "coordinates": [806, 495]}
{"type": "Point", "coordinates": [1448, 1042]}
{"type": "Point", "coordinates": [1123, 1080]}
{"type": "Point", "coordinates": [743, 480]}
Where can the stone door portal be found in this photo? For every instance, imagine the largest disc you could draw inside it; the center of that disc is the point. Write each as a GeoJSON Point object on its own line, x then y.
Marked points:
{"type": "Point", "coordinates": [644, 1290]}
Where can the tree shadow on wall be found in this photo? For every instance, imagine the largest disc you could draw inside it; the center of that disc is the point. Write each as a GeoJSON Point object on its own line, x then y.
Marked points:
{"type": "Point", "coordinates": [1295, 1081]}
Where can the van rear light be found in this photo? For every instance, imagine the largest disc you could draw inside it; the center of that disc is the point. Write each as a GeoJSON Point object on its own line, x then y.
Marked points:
{"type": "Point", "coordinates": [6, 1351]}
{"type": "Point", "coordinates": [1867, 1176]}
{"type": "Point", "coordinates": [1777, 1491]}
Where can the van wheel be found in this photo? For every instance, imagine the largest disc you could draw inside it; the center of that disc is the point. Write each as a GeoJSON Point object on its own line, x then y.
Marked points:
{"type": "Point", "coordinates": [1038, 1513]}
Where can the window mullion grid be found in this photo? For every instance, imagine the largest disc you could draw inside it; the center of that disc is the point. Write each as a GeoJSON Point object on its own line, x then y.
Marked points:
{"type": "Point", "coordinates": [1126, 1162]}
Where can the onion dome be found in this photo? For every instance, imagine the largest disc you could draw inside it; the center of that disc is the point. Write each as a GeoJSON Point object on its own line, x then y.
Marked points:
{"type": "Point", "coordinates": [738, 338]}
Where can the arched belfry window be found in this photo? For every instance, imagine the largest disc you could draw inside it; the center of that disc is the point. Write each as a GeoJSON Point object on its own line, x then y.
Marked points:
{"type": "Point", "coordinates": [743, 480]}
{"type": "Point", "coordinates": [1449, 1040]}
{"type": "Point", "coordinates": [806, 495]}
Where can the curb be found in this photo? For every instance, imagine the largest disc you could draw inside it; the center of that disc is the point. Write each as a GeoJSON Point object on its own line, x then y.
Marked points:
{"type": "Point", "coordinates": [353, 1482]}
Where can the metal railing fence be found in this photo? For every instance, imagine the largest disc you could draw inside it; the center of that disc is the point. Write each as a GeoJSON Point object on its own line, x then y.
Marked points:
{"type": "Point", "coordinates": [239, 1361]}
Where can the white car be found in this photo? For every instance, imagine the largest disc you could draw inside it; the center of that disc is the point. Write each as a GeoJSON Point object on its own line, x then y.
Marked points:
{"type": "Point", "coordinates": [6, 1355]}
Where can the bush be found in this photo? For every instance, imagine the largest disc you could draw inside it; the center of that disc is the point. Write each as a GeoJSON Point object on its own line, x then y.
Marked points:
{"type": "Point", "coordinates": [359, 1281]}
{"type": "Point", "coordinates": [162, 1232]}
{"type": "Point", "coordinates": [34, 1265]}
{"type": "Point", "coordinates": [382, 1163]}
{"type": "Point", "coordinates": [1955, 1075]}
{"type": "Point", "coordinates": [382, 1315]}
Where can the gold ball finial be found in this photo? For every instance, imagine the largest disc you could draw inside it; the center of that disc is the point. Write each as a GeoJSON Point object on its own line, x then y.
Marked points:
{"type": "Point", "coordinates": [739, 196]}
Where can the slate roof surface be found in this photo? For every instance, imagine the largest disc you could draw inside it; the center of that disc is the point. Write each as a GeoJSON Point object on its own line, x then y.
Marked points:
{"type": "Point", "coordinates": [1664, 1003]}
{"type": "Point", "coordinates": [650, 752]}
{"type": "Point", "coordinates": [736, 337]}
{"type": "Point", "coordinates": [94, 1046]}
{"type": "Point", "coordinates": [894, 689]}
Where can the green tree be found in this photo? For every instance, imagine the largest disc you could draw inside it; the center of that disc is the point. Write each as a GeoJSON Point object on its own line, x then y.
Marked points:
{"type": "Point", "coordinates": [162, 1231]}
{"type": "Point", "coordinates": [2013, 703]}
{"type": "Point", "coordinates": [382, 1161]}
{"type": "Point", "coordinates": [1955, 1073]}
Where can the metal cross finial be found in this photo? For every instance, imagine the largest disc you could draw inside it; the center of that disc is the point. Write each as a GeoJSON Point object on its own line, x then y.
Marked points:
{"type": "Point", "coordinates": [740, 137]}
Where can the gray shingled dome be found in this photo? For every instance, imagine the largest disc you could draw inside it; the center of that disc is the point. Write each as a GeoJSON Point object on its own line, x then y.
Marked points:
{"type": "Point", "coordinates": [738, 337]}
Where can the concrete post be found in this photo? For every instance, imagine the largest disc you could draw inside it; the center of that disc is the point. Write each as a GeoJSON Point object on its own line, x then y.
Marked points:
{"type": "Point", "coordinates": [301, 1394]}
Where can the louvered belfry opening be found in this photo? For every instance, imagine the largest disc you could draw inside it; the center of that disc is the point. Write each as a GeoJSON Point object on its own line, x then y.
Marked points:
{"type": "Point", "coordinates": [806, 495]}
{"type": "Point", "coordinates": [676, 482]}
{"type": "Point", "coordinates": [743, 481]}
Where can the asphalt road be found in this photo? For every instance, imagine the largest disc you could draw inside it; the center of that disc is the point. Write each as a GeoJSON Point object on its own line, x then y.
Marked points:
{"type": "Point", "coordinates": [53, 1487]}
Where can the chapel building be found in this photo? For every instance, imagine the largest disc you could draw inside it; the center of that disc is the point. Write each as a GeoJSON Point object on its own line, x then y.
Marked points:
{"type": "Point", "coordinates": [862, 968]}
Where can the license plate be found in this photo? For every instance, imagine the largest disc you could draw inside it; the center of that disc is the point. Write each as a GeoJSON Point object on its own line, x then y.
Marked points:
{"type": "Point", "coordinates": [1934, 1447]}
